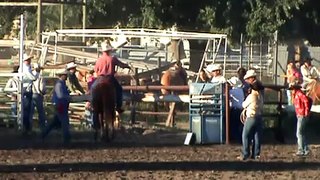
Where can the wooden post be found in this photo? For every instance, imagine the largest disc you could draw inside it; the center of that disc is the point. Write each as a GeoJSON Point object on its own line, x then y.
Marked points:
{"type": "Point", "coordinates": [227, 113]}
{"type": "Point", "coordinates": [39, 21]}
{"type": "Point", "coordinates": [133, 103]}
{"type": "Point", "coordinates": [155, 104]}
{"type": "Point", "coordinates": [61, 16]}
{"type": "Point", "coordinates": [84, 18]}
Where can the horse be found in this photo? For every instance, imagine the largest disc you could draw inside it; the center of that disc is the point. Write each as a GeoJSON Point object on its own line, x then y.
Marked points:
{"type": "Point", "coordinates": [103, 104]}
{"type": "Point", "coordinates": [173, 76]}
{"type": "Point", "coordinates": [313, 91]}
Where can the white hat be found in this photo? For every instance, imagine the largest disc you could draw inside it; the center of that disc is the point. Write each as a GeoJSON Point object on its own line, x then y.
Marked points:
{"type": "Point", "coordinates": [62, 72]}
{"type": "Point", "coordinates": [250, 73]}
{"type": "Point", "coordinates": [234, 81]}
{"type": "Point", "coordinates": [71, 65]}
{"type": "Point", "coordinates": [26, 57]}
{"type": "Point", "coordinates": [213, 67]}
{"type": "Point", "coordinates": [106, 47]}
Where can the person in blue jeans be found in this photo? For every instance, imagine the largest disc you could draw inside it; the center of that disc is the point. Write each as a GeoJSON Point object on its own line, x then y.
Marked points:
{"type": "Point", "coordinates": [27, 81]}
{"type": "Point", "coordinates": [61, 100]}
{"type": "Point", "coordinates": [302, 104]}
{"type": "Point", "coordinates": [252, 129]}
{"type": "Point", "coordinates": [38, 91]}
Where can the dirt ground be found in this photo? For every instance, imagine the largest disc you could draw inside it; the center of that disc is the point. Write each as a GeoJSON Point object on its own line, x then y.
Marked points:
{"type": "Point", "coordinates": [146, 153]}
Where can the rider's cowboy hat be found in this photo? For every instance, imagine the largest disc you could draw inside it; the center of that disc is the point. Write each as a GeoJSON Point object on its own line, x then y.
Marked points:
{"type": "Point", "coordinates": [106, 47]}
{"type": "Point", "coordinates": [62, 72]}
{"type": "Point", "coordinates": [26, 57]}
{"type": "Point", "coordinates": [250, 73]}
{"type": "Point", "coordinates": [71, 65]}
{"type": "Point", "coordinates": [213, 67]}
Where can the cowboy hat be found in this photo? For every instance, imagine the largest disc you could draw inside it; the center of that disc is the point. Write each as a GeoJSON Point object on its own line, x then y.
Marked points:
{"type": "Point", "coordinates": [234, 81]}
{"type": "Point", "coordinates": [26, 57]}
{"type": "Point", "coordinates": [62, 72]}
{"type": "Point", "coordinates": [106, 47]}
{"type": "Point", "coordinates": [213, 67]}
{"type": "Point", "coordinates": [250, 73]}
{"type": "Point", "coordinates": [71, 65]}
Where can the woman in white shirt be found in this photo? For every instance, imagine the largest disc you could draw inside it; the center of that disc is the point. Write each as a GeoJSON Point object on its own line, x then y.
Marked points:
{"type": "Point", "coordinates": [253, 106]}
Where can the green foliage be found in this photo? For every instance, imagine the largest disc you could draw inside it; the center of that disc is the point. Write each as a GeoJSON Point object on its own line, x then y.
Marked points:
{"type": "Point", "coordinates": [234, 17]}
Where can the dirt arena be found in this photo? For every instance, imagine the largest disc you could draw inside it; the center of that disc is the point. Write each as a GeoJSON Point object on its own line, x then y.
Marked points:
{"type": "Point", "coordinates": [146, 153]}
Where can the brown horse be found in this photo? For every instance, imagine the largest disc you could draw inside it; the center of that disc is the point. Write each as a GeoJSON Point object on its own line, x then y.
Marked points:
{"type": "Point", "coordinates": [173, 76]}
{"type": "Point", "coordinates": [103, 104]}
{"type": "Point", "coordinates": [314, 91]}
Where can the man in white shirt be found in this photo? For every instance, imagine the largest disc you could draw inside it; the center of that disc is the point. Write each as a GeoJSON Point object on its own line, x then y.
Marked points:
{"type": "Point", "coordinates": [214, 71]}
{"type": "Point", "coordinates": [38, 91]}
{"type": "Point", "coordinates": [309, 72]}
{"type": "Point", "coordinates": [27, 81]}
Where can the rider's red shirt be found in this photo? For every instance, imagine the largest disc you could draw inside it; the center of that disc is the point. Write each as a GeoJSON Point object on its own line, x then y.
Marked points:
{"type": "Point", "coordinates": [105, 65]}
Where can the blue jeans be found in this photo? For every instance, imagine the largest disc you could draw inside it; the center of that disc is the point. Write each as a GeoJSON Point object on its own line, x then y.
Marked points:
{"type": "Point", "coordinates": [37, 102]}
{"type": "Point", "coordinates": [252, 131]}
{"type": "Point", "coordinates": [301, 134]}
{"type": "Point", "coordinates": [27, 100]}
{"type": "Point", "coordinates": [60, 119]}
{"type": "Point", "coordinates": [117, 86]}
{"type": "Point", "coordinates": [235, 125]}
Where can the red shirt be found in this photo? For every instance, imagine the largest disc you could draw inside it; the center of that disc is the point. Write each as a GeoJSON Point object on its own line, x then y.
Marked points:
{"type": "Point", "coordinates": [105, 65]}
{"type": "Point", "coordinates": [301, 103]}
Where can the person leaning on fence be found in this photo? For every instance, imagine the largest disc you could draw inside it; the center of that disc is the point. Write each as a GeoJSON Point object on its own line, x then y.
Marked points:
{"type": "Point", "coordinates": [302, 104]}
{"type": "Point", "coordinates": [252, 129]}
{"type": "Point", "coordinates": [28, 78]}
{"type": "Point", "coordinates": [214, 71]}
{"type": "Point", "coordinates": [39, 90]}
{"type": "Point", "coordinates": [72, 81]}
{"type": "Point", "coordinates": [293, 76]}
{"type": "Point", "coordinates": [105, 66]}
{"type": "Point", "coordinates": [61, 100]}
{"type": "Point", "coordinates": [12, 87]}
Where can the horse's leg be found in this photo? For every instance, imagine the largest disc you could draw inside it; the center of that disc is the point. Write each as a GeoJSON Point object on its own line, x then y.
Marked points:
{"type": "Point", "coordinates": [102, 125]}
{"type": "Point", "coordinates": [96, 125]}
{"type": "Point", "coordinates": [110, 120]}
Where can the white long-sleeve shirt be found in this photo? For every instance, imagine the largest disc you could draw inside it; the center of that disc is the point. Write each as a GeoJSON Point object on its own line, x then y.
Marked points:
{"type": "Point", "coordinates": [39, 85]}
{"type": "Point", "coordinates": [28, 77]}
{"type": "Point", "coordinates": [309, 73]}
{"type": "Point", "coordinates": [253, 104]}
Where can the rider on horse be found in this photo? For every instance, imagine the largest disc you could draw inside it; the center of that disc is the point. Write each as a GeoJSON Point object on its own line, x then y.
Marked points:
{"type": "Point", "coordinates": [309, 72]}
{"type": "Point", "coordinates": [105, 66]}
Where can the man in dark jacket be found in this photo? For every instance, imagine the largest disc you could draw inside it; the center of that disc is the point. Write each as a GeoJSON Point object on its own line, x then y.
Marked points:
{"type": "Point", "coordinates": [60, 99]}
